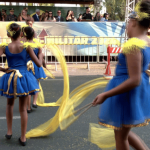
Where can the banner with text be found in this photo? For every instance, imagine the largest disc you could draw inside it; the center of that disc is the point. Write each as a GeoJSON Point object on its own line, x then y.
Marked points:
{"type": "Point", "coordinates": [77, 38]}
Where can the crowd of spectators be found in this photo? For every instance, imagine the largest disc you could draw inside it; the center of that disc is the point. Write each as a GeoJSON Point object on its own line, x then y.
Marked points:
{"type": "Point", "coordinates": [48, 16]}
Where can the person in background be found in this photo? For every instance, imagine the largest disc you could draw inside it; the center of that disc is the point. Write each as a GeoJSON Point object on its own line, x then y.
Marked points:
{"type": "Point", "coordinates": [92, 18]}
{"type": "Point", "coordinates": [11, 16]}
{"type": "Point", "coordinates": [73, 17]}
{"type": "Point", "coordinates": [105, 17]}
{"type": "Point", "coordinates": [23, 15]}
{"type": "Point", "coordinates": [50, 17]}
{"type": "Point", "coordinates": [4, 15]}
{"type": "Point", "coordinates": [87, 14]}
{"type": "Point", "coordinates": [70, 16]}
{"type": "Point", "coordinates": [80, 18]}
{"type": "Point", "coordinates": [46, 13]}
{"type": "Point", "coordinates": [0, 16]}
{"type": "Point", "coordinates": [97, 17]}
{"type": "Point", "coordinates": [36, 16]}
{"type": "Point", "coordinates": [59, 18]}
{"type": "Point", "coordinates": [42, 17]}
{"type": "Point", "coordinates": [29, 21]}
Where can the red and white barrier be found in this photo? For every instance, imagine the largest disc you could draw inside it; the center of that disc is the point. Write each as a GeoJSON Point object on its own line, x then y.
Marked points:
{"type": "Point", "coordinates": [110, 50]}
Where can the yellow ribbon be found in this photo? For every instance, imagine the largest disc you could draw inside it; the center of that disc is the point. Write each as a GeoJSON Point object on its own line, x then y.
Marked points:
{"type": "Point", "coordinates": [30, 66]}
{"type": "Point", "coordinates": [17, 74]}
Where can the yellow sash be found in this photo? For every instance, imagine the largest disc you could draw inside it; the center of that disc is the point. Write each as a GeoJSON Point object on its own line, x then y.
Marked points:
{"type": "Point", "coordinates": [30, 66]}
{"type": "Point", "coordinates": [16, 74]}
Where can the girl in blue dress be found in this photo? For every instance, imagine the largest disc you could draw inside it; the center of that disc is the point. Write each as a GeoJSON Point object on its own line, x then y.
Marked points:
{"type": "Point", "coordinates": [18, 81]}
{"type": "Point", "coordinates": [126, 100]}
{"type": "Point", "coordinates": [38, 72]}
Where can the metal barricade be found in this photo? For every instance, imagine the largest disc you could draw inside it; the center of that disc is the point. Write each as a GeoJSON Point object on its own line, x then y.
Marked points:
{"type": "Point", "coordinates": [77, 49]}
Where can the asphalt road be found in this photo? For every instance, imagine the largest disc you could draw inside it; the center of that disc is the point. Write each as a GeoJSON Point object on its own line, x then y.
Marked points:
{"type": "Point", "coordinates": [74, 138]}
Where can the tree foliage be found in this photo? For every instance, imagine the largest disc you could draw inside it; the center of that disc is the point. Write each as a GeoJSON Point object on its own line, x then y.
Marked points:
{"type": "Point", "coordinates": [116, 9]}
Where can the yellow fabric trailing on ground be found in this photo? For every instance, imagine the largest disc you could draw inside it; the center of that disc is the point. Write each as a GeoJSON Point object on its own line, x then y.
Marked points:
{"type": "Point", "coordinates": [101, 136]}
{"type": "Point", "coordinates": [51, 125]}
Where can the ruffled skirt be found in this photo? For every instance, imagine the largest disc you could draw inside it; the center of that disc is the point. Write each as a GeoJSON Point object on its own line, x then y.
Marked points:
{"type": "Point", "coordinates": [39, 72]}
{"type": "Point", "coordinates": [26, 85]}
{"type": "Point", "coordinates": [129, 109]}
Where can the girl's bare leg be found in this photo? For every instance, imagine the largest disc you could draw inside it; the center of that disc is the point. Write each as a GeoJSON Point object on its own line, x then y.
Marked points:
{"type": "Point", "coordinates": [24, 117]}
{"type": "Point", "coordinates": [35, 98]}
{"type": "Point", "coordinates": [29, 103]}
{"type": "Point", "coordinates": [9, 114]}
{"type": "Point", "coordinates": [136, 142]}
{"type": "Point", "coordinates": [125, 137]}
{"type": "Point", "coordinates": [121, 137]}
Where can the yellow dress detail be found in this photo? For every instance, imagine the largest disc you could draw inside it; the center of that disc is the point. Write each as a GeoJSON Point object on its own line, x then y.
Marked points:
{"type": "Point", "coordinates": [133, 44]}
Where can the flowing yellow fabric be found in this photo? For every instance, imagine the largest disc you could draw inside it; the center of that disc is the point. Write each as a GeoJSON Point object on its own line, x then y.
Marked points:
{"type": "Point", "coordinates": [48, 73]}
{"type": "Point", "coordinates": [51, 125]}
{"type": "Point", "coordinates": [40, 98]}
{"type": "Point", "coordinates": [76, 97]}
{"type": "Point", "coordinates": [101, 136]}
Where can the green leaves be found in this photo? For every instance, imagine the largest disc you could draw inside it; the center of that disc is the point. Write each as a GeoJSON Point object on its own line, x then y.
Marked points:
{"type": "Point", "coordinates": [116, 9]}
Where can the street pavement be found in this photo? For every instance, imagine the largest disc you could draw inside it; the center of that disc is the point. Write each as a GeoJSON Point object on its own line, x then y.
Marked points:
{"type": "Point", "coordinates": [74, 138]}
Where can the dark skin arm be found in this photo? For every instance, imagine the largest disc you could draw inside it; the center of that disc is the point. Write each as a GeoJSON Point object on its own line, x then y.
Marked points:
{"type": "Point", "coordinates": [134, 70]}
{"type": "Point", "coordinates": [43, 61]}
{"type": "Point", "coordinates": [44, 64]}
{"type": "Point", "coordinates": [37, 61]}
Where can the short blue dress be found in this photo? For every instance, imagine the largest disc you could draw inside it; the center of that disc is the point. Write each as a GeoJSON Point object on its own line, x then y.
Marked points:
{"type": "Point", "coordinates": [132, 108]}
{"type": "Point", "coordinates": [38, 71]}
{"type": "Point", "coordinates": [26, 83]}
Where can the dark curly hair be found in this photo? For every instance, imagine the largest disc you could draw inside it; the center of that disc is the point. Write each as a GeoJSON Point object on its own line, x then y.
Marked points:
{"type": "Point", "coordinates": [29, 33]}
{"type": "Point", "coordinates": [17, 30]}
{"type": "Point", "coordinates": [145, 7]}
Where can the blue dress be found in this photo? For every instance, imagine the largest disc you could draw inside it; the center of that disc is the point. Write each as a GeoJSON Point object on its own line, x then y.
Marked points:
{"type": "Point", "coordinates": [39, 72]}
{"type": "Point", "coordinates": [132, 108]}
{"type": "Point", "coordinates": [26, 85]}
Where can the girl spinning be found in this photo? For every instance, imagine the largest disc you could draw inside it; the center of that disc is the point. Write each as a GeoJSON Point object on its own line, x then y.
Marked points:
{"type": "Point", "coordinates": [18, 81]}
{"type": "Point", "coordinates": [126, 101]}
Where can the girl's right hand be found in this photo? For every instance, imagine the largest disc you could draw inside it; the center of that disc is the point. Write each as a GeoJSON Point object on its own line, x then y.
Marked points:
{"type": "Point", "coordinates": [99, 99]}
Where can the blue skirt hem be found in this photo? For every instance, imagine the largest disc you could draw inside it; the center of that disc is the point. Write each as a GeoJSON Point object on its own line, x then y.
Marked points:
{"type": "Point", "coordinates": [145, 123]}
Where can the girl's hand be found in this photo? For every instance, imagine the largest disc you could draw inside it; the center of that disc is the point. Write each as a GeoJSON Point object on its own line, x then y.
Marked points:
{"type": "Point", "coordinates": [4, 69]}
{"type": "Point", "coordinates": [99, 99]}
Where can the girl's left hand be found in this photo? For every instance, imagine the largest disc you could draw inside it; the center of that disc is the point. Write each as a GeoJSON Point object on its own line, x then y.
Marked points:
{"type": "Point", "coordinates": [99, 99]}
{"type": "Point", "coordinates": [4, 69]}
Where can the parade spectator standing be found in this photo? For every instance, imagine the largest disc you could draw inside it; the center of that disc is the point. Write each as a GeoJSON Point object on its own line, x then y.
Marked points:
{"type": "Point", "coordinates": [105, 17]}
{"type": "Point", "coordinates": [80, 18]}
{"type": "Point", "coordinates": [42, 17]}
{"type": "Point", "coordinates": [36, 16]}
{"type": "Point", "coordinates": [4, 15]}
{"type": "Point", "coordinates": [59, 18]}
{"type": "Point", "coordinates": [23, 15]}
{"type": "Point", "coordinates": [97, 17]}
{"type": "Point", "coordinates": [46, 13]}
{"type": "Point", "coordinates": [50, 17]}
{"type": "Point", "coordinates": [11, 16]}
{"type": "Point", "coordinates": [70, 16]}
{"type": "Point", "coordinates": [0, 16]}
{"type": "Point", "coordinates": [87, 14]}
